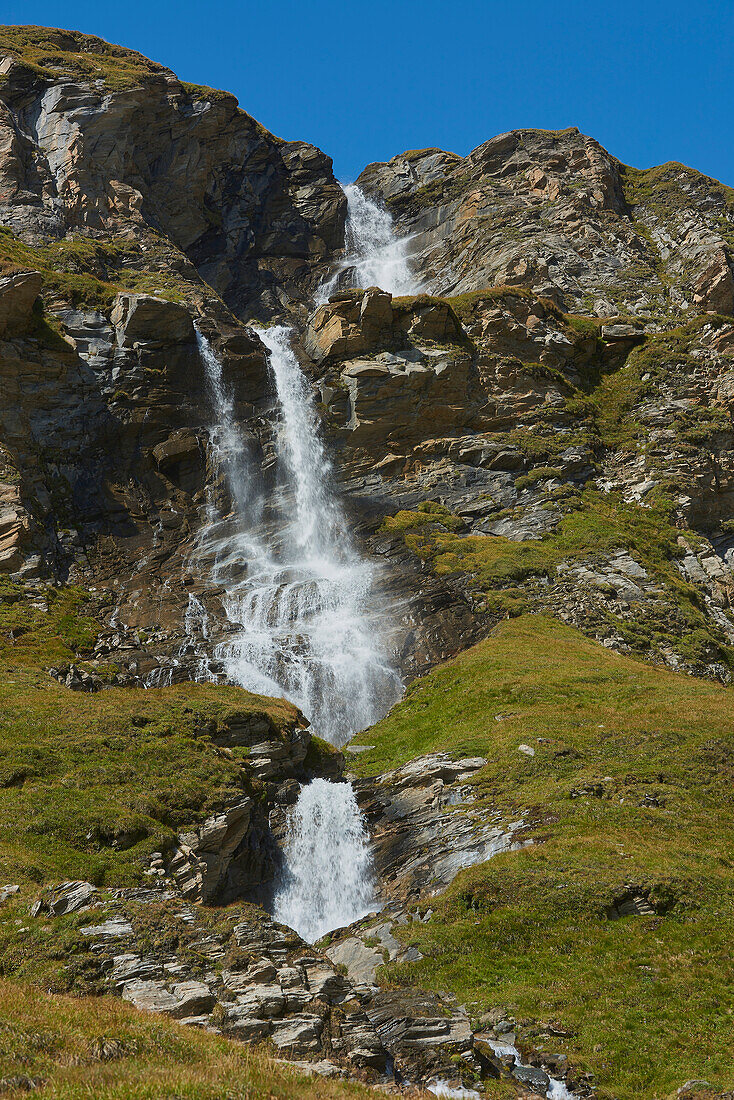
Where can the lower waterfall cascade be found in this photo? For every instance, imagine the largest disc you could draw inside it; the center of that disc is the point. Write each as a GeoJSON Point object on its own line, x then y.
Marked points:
{"type": "Point", "coordinates": [327, 881]}
{"type": "Point", "coordinates": [374, 255]}
{"type": "Point", "coordinates": [304, 626]}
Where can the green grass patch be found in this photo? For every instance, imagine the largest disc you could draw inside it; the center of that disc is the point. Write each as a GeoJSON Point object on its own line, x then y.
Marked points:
{"type": "Point", "coordinates": [90, 784]}
{"type": "Point", "coordinates": [430, 516]}
{"type": "Point", "coordinates": [53, 53]}
{"type": "Point", "coordinates": [86, 272]}
{"type": "Point", "coordinates": [592, 523]}
{"type": "Point", "coordinates": [539, 473]}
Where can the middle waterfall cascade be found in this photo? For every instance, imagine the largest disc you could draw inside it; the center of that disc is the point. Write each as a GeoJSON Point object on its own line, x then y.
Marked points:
{"type": "Point", "coordinates": [328, 878]}
{"type": "Point", "coordinates": [298, 594]}
{"type": "Point", "coordinates": [374, 255]}
{"type": "Point", "coordinates": [305, 625]}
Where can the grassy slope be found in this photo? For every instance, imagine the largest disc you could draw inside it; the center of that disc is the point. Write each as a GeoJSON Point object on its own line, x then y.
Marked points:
{"type": "Point", "coordinates": [103, 1048]}
{"type": "Point", "coordinates": [631, 782]}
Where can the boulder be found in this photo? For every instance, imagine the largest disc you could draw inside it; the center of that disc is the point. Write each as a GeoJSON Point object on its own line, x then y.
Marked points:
{"type": "Point", "coordinates": [714, 289]}
{"type": "Point", "coordinates": [8, 892]}
{"type": "Point", "coordinates": [112, 929]}
{"type": "Point", "coordinates": [297, 1034]}
{"type": "Point", "coordinates": [350, 324]}
{"type": "Point", "coordinates": [141, 318]}
{"type": "Point", "coordinates": [622, 332]}
{"type": "Point", "coordinates": [68, 897]}
{"type": "Point", "coordinates": [18, 292]}
{"type": "Point", "coordinates": [189, 998]}
{"type": "Point", "coordinates": [182, 445]}
{"type": "Point", "coordinates": [262, 1001]}
{"type": "Point", "coordinates": [533, 1076]}
{"type": "Point", "coordinates": [360, 961]}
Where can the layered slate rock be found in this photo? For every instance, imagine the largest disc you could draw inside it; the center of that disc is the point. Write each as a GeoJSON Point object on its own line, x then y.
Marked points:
{"type": "Point", "coordinates": [255, 979]}
{"type": "Point", "coordinates": [421, 840]}
{"type": "Point", "coordinates": [239, 973]}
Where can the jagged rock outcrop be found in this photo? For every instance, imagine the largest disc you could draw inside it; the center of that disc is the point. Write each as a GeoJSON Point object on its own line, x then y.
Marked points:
{"type": "Point", "coordinates": [254, 980]}
{"type": "Point", "coordinates": [554, 212]}
{"type": "Point", "coordinates": [461, 453]}
{"type": "Point", "coordinates": [420, 840]}
{"type": "Point", "coordinates": [392, 374]}
{"type": "Point", "coordinates": [256, 216]}
{"type": "Point", "coordinates": [247, 977]}
{"type": "Point", "coordinates": [105, 436]}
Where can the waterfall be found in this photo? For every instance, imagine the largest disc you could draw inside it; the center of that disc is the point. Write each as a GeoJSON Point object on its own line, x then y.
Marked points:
{"type": "Point", "coordinates": [374, 255]}
{"type": "Point", "coordinates": [328, 878]}
{"type": "Point", "coordinates": [304, 624]}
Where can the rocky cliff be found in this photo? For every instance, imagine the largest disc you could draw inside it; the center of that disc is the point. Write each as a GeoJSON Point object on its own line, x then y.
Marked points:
{"type": "Point", "coordinates": [98, 140]}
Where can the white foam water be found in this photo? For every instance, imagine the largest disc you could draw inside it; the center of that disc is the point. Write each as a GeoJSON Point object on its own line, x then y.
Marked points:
{"type": "Point", "coordinates": [328, 880]}
{"type": "Point", "coordinates": [444, 1089]}
{"type": "Point", "coordinates": [374, 255]}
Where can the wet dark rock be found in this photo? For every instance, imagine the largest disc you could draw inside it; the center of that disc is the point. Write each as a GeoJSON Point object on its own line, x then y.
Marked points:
{"type": "Point", "coordinates": [420, 842]}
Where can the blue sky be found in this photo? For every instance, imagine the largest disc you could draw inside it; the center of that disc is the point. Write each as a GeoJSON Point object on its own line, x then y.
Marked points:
{"type": "Point", "coordinates": [650, 80]}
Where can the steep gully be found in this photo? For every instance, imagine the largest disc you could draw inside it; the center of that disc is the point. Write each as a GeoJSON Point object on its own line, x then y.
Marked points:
{"type": "Point", "coordinates": [303, 608]}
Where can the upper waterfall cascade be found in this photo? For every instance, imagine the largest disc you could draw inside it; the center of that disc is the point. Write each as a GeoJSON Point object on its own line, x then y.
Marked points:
{"type": "Point", "coordinates": [299, 596]}
{"type": "Point", "coordinates": [374, 255]}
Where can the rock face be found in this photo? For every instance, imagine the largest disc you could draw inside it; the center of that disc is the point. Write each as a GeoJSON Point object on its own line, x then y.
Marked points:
{"type": "Point", "coordinates": [105, 439]}
{"type": "Point", "coordinates": [420, 840]}
{"type": "Point", "coordinates": [554, 212]}
{"type": "Point", "coordinates": [253, 980]}
{"type": "Point", "coordinates": [256, 215]}
{"type": "Point", "coordinates": [450, 420]}
{"type": "Point", "coordinates": [18, 292]}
